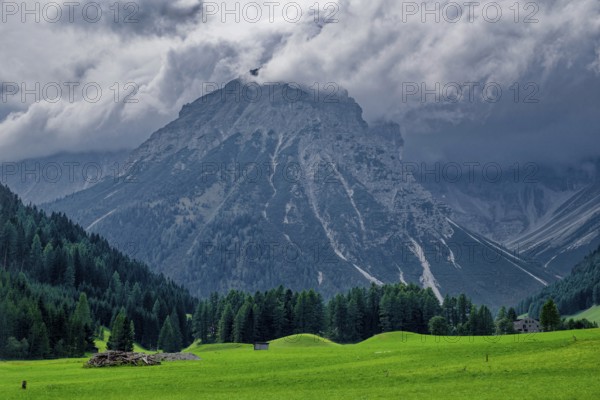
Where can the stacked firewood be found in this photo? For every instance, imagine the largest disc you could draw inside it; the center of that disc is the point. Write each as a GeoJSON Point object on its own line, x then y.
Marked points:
{"type": "Point", "coordinates": [116, 358]}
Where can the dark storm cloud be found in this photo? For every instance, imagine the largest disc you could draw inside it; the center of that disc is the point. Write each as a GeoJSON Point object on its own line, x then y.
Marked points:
{"type": "Point", "coordinates": [137, 17]}
{"type": "Point", "coordinates": [374, 49]}
{"type": "Point", "coordinates": [561, 126]}
{"type": "Point", "coordinates": [381, 62]}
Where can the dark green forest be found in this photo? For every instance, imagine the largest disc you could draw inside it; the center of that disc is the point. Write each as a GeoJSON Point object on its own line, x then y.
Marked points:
{"type": "Point", "coordinates": [58, 285]}
{"type": "Point", "coordinates": [346, 318]}
{"type": "Point", "coordinates": [578, 291]}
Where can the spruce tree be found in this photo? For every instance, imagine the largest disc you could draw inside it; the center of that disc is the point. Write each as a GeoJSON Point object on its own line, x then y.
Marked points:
{"type": "Point", "coordinates": [168, 340]}
{"type": "Point", "coordinates": [512, 314]}
{"type": "Point", "coordinates": [122, 333]}
{"type": "Point", "coordinates": [243, 324]}
{"type": "Point", "coordinates": [549, 317]}
{"type": "Point", "coordinates": [225, 332]}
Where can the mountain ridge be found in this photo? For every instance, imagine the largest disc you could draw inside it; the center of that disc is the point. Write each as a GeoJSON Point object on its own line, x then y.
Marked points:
{"type": "Point", "coordinates": [308, 176]}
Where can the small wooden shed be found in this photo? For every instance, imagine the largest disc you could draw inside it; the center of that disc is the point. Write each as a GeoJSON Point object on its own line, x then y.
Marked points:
{"type": "Point", "coordinates": [261, 346]}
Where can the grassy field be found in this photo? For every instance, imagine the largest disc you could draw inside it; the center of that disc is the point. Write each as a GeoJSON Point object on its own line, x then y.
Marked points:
{"type": "Point", "coordinates": [558, 365]}
{"type": "Point", "coordinates": [592, 314]}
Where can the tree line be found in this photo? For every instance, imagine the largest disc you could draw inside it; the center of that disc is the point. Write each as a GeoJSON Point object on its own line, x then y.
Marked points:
{"type": "Point", "coordinates": [346, 318]}
{"type": "Point", "coordinates": [353, 316]}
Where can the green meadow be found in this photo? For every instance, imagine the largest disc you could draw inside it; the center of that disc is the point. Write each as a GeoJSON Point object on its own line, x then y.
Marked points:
{"type": "Point", "coordinates": [398, 365]}
{"type": "Point", "coordinates": [592, 314]}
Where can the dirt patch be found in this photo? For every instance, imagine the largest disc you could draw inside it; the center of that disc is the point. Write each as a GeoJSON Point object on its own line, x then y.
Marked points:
{"type": "Point", "coordinates": [175, 357]}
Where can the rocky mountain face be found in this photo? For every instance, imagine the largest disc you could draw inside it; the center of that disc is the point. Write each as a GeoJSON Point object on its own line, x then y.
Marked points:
{"type": "Point", "coordinates": [544, 213]}
{"type": "Point", "coordinates": [255, 186]}
{"type": "Point", "coordinates": [41, 180]}
{"type": "Point", "coordinates": [566, 234]}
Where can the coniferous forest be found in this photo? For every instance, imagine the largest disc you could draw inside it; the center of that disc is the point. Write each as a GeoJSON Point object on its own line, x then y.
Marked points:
{"type": "Point", "coordinates": [58, 285]}
{"type": "Point", "coordinates": [346, 318]}
{"type": "Point", "coordinates": [578, 291]}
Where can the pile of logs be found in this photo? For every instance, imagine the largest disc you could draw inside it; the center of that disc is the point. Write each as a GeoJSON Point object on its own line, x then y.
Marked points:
{"type": "Point", "coordinates": [117, 358]}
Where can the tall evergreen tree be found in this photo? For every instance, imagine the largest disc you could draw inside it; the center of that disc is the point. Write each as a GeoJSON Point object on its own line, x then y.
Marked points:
{"type": "Point", "coordinates": [169, 340]}
{"type": "Point", "coordinates": [243, 324]}
{"type": "Point", "coordinates": [122, 333]}
{"type": "Point", "coordinates": [225, 332]}
{"type": "Point", "coordinates": [512, 314]}
{"type": "Point", "coordinates": [549, 317]}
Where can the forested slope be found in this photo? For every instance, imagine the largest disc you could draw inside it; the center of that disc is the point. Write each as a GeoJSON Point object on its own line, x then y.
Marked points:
{"type": "Point", "coordinates": [47, 263]}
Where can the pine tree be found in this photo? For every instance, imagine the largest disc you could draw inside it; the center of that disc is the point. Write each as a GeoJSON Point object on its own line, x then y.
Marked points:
{"type": "Point", "coordinates": [486, 321]}
{"type": "Point", "coordinates": [386, 311]}
{"type": "Point", "coordinates": [122, 333]}
{"type": "Point", "coordinates": [512, 314]}
{"type": "Point", "coordinates": [35, 256]}
{"type": "Point", "coordinates": [463, 308]}
{"type": "Point", "coordinates": [82, 310]}
{"type": "Point", "coordinates": [198, 323]}
{"type": "Point", "coordinates": [176, 328]}
{"type": "Point", "coordinates": [243, 324]}
{"type": "Point", "coordinates": [288, 314]}
{"type": "Point", "coordinates": [596, 294]}
{"type": "Point", "coordinates": [39, 345]}
{"type": "Point", "coordinates": [225, 332]}
{"type": "Point", "coordinates": [338, 318]}
{"type": "Point", "coordinates": [168, 340]}
{"type": "Point", "coordinates": [549, 317]}
{"type": "Point", "coordinates": [356, 310]}
{"type": "Point", "coordinates": [372, 313]}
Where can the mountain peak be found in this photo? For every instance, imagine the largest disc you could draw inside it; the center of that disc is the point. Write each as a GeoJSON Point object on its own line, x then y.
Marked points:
{"type": "Point", "coordinates": [257, 185]}
{"type": "Point", "coordinates": [246, 107]}
{"type": "Point", "coordinates": [273, 94]}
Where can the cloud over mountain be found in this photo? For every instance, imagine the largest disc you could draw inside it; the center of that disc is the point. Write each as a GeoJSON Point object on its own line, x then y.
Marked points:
{"type": "Point", "coordinates": [381, 52]}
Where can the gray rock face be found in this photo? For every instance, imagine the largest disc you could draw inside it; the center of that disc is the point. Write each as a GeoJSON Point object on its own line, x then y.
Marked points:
{"type": "Point", "coordinates": [255, 186]}
{"type": "Point", "coordinates": [548, 214]}
{"type": "Point", "coordinates": [566, 234]}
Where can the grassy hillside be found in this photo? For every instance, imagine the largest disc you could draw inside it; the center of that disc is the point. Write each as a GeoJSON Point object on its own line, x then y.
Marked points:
{"type": "Point", "coordinates": [592, 314]}
{"type": "Point", "coordinates": [301, 341]}
{"type": "Point", "coordinates": [392, 365]}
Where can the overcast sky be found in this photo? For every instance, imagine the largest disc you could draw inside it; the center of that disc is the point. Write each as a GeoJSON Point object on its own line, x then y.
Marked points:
{"type": "Point", "coordinates": [544, 57]}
